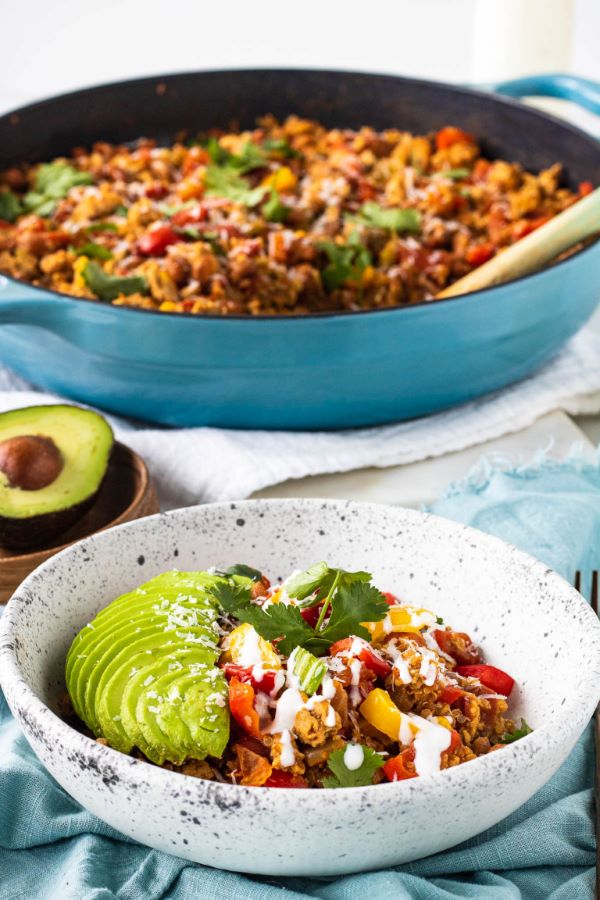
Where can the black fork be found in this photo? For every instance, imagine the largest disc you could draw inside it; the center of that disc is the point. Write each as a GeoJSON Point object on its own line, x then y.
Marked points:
{"type": "Point", "coordinates": [594, 598]}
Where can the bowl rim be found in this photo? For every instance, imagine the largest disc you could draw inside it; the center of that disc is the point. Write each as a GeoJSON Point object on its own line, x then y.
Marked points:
{"type": "Point", "coordinates": [489, 95]}
{"type": "Point", "coordinates": [34, 716]}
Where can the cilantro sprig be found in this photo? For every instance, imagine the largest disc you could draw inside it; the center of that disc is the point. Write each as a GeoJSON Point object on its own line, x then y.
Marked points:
{"type": "Point", "coordinates": [109, 287]}
{"type": "Point", "coordinates": [376, 216]}
{"type": "Point", "coordinates": [53, 181]}
{"type": "Point", "coordinates": [223, 181]}
{"type": "Point", "coordinates": [343, 777]}
{"type": "Point", "coordinates": [511, 736]}
{"type": "Point", "coordinates": [347, 261]}
{"type": "Point", "coordinates": [348, 600]}
{"type": "Point", "coordinates": [10, 206]}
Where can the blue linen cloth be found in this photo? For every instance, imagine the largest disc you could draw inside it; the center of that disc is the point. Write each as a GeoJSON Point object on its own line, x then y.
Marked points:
{"type": "Point", "coordinates": [52, 849]}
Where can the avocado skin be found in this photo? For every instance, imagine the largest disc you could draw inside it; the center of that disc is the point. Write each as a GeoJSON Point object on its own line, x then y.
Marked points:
{"type": "Point", "coordinates": [73, 430]}
{"type": "Point", "coordinates": [36, 532]}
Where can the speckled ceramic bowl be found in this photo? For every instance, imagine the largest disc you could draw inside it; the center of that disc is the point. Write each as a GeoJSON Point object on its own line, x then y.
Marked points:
{"type": "Point", "coordinates": [526, 618]}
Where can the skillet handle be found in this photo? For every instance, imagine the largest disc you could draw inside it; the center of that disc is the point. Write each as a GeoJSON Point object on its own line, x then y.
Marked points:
{"type": "Point", "coordinates": [22, 304]}
{"type": "Point", "coordinates": [583, 91]}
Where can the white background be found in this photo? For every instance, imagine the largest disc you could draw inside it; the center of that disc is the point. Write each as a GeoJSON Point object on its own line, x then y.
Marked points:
{"type": "Point", "coordinates": [52, 47]}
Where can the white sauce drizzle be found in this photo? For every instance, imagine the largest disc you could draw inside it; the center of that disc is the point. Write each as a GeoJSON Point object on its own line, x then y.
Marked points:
{"type": "Point", "coordinates": [353, 756]}
{"type": "Point", "coordinates": [355, 669]}
{"type": "Point", "coordinates": [288, 757]}
{"type": "Point", "coordinates": [288, 705]}
{"type": "Point", "coordinates": [430, 741]}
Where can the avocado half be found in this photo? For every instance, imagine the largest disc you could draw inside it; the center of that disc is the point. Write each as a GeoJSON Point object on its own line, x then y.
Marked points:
{"type": "Point", "coordinates": [144, 672]}
{"type": "Point", "coordinates": [53, 460]}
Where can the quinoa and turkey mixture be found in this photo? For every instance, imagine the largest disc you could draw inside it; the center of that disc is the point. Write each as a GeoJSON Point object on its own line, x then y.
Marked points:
{"type": "Point", "coordinates": [287, 218]}
{"type": "Point", "coordinates": [321, 681]}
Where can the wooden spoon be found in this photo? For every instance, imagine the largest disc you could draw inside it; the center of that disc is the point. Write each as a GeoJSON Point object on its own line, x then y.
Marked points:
{"type": "Point", "coordinates": [533, 252]}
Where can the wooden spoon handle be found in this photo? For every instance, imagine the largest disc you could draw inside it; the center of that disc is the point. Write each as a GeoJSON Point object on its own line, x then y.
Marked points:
{"type": "Point", "coordinates": [533, 252]}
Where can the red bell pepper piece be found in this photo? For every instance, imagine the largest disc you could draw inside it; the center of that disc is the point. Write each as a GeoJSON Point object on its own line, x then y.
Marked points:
{"type": "Point", "coordinates": [389, 598]}
{"type": "Point", "coordinates": [494, 679]}
{"type": "Point", "coordinates": [155, 242]}
{"type": "Point", "coordinates": [450, 135]}
{"type": "Point", "coordinates": [451, 694]}
{"type": "Point", "coordinates": [311, 615]}
{"type": "Point", "coordinates": [265, 683]}
{"type": "Point", "coordinates": [374, 662]}
{"type": "Point", "coordinates": [368, 657]}
{"type": "Point", "coordinates": [241, 704]}
{"type": "Point", "coordinates": [479, 254]}
{"type": "Point", "coordinates": [585, 188]}
{"type": "Point", "coordinates": [401, 767]}
{"type": "Point", "coordinates": [279, 779]}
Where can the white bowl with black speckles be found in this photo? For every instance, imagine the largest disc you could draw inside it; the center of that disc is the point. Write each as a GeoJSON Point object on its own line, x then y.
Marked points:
{"type": "Point", "coordinates": [527, 620]}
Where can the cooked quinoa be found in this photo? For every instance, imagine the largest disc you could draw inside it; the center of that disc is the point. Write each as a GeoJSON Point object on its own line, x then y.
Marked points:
{"type": "Point", "coordinates": [287, 218]}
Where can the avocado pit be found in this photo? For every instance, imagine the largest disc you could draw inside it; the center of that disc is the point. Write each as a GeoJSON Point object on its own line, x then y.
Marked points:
{"type": "Point", "coordinates": [30, 462]}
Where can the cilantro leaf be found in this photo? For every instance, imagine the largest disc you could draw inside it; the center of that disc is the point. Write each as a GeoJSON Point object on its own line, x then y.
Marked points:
{"type": "Point", "coordinates": [10, 206]}
{"type": "Point", "coordinates": [517, 734]}
{"type": "Point", "coordinates": [347, 261]}
{"type": "Point", "coordinates": [221, 181]}
{"type": "Point", "coordinates": [351, 605]}
{"type": "Point", "coordinates": [231, 597]}
{"type": "Point", "coordinates": [53, 182]}
{"type": "Point", "coordinates": [218, 154]}
{"type": "Point", "coordinates": [344, 777]}
{"type": "Point", "coordinates": [281, 147]}
{"type": "Point", "coordinates": [321, 577]}
{"type": "Point", "coordinates": [109, 287]}
{"type": "Point", "coordinates": [247, 571]}
{"type": "Point", "coordinates": [278, 621]}
{"type": "Point", "coordinates": [455, 174]}
{"type": "Point", "coordinates": [377, 216]}
{"type": "Point", "coordinates": [95, 251]}
{"type": "Point", "coordinates": [273, 209]}
{"type": "Point", "coordinates": [101, 226]}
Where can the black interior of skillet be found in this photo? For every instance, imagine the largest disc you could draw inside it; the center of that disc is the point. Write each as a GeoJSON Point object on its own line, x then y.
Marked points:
{"type": "Point", "coordinates": [160, 107]}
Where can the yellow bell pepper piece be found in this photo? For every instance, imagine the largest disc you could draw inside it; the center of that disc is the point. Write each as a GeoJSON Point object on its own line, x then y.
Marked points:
{"type": "Point", "coordinates": [245, 647]}
{"type": "Point", "coordinates": [78, 267]}
{"type": "Point", "coordinates": [381, 712]}
{"type": "Point", "coordinates": [282, 180]}
{"type": "Point", "coordinates": [401, 619]}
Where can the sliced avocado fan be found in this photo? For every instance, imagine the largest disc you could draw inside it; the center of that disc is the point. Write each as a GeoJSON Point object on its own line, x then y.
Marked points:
{"type": "Point", "coordinates": [143, 674]}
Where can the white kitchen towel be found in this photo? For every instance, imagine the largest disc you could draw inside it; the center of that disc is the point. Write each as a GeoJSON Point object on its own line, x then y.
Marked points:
{"type": "Point", "coordinates": [202, 464]}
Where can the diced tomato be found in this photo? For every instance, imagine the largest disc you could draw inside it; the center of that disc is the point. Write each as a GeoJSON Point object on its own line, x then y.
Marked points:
{"type": "Point", "coordinates": [525, 226]}
{"type": "Point", "coordinates": [156, 191]}
{"type": "Point", "coordinates": [389, 598]}
{"type": "Point", "coordinates": [155, 242]}
{"type": "Point", "coordinates": [457, 645]}
{"type": "Point", "coordinates": [450, 694]}
{"type": "Point", "coordinates": [340, 646]}
{"type": "Point", "coordinates": [401, 767]}
{"type": "Point", "coordinates": [311, 615]}
{"type": "Point", "coordinates": [241, 704]}
{"type": "Point", "coordinates": [246, 675]}
{"type": "Point", "coordinates": [450, 135]}
{"type": "Point", "coordinates": [375, 663]}
{"type": "Point", "coordinates": [478, 254]}
{"type": "Point", "coordinates": [279, 779]}
{"type": "Point", "coordinates": [585, 188]}
{"type": "Point", "coordinates": [4, 223]}
{"type": "Point", "coordinates": [494, 679]}
{"type": "Point", "coordinates": [198, 213]}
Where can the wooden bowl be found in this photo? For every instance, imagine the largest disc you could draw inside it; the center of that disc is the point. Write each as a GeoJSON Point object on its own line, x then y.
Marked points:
{"type": "Point", "coordinates": [127, 493]}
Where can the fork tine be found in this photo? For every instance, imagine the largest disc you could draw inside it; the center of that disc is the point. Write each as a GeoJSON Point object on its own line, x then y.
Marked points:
{"type": "Point", "coordinates": [595, 590]}
{"type": "Point", "coordinates": [577, 581]}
